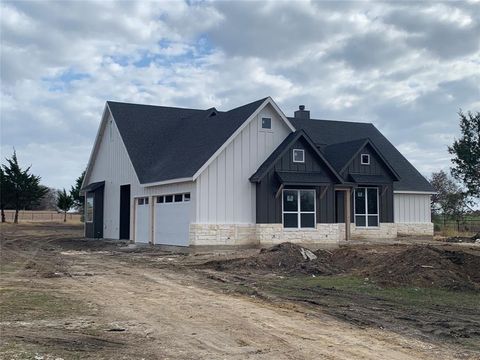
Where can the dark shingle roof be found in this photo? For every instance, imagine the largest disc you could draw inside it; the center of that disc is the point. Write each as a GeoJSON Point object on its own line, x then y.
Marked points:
{"type": "Point", "coordinates": [166, 143]}
{"type": "Point", "coordinates": [340, 154]}
{"type": "Point", "coordinates": [332, 132]}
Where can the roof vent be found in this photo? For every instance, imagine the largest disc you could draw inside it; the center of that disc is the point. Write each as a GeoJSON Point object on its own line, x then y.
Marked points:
{"type": "Point", "coordinates": [301, 113]}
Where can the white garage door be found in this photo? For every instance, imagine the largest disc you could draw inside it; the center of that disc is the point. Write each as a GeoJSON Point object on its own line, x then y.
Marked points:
{"type": "Point", "coordinates": [142, 220]}
{"type": "Point", "coordinates": [172, 219]}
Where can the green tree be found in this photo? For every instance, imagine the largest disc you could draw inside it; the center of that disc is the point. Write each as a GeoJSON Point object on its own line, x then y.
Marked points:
{"type": "Point", "coordinates": [5, 193]}
{"type": "Point", "coordinates": [449, 199]}
{"type": "Point", "coordinates": [25, 188]}
{"type": "Point", "coordinates": [64, 203]}
{"type": "Point", "coordinates": [78, 199]}
{"type": "Point", "coordinates": [466, 153]}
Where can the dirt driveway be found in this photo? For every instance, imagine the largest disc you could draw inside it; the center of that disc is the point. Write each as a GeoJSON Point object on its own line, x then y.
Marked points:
{"type": "Point", "coordinates": [63, 297]}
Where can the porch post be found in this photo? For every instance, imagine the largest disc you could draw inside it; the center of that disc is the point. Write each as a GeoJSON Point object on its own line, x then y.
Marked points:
{"type": "Point", "coordinates": [347, 213]}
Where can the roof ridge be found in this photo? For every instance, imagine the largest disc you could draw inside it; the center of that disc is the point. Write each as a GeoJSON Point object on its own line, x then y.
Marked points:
{"type": "Point", "coordinates": [155, 106]}
{"type": "Point", "coordinates": [332, 120]}
{"type": "Point", "coordinates": [249, 104]}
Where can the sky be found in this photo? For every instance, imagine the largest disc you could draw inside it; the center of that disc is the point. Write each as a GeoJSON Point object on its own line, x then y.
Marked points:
{"type": "Point", "coordinates": [407, 67]}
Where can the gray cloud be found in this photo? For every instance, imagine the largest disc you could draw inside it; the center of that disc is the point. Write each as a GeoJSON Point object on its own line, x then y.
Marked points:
{"type": "Point", "coordinates": [407, 67]}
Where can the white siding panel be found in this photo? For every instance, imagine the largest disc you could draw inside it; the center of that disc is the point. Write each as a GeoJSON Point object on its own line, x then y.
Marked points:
{"type": "Point", "coordinates": [113, 166]}
{"type": "Point", "coordinates": [226, 178]}
{"type": "Point", "coordinates": [412, 208]}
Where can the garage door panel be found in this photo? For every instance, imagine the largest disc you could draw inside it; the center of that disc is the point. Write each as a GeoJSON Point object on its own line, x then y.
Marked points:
{"type": "Point", "coordinates": [142, 223]}
{"type": "Point", "coordinates": [172, 223]}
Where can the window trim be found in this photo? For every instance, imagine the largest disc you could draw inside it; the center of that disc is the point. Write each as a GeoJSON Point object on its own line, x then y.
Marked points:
{"type": "Point", "coordinates": [261, 124]}
{"type": "Point", "coordinates": [303, 158]}
{"type": "Point", "coordinates": [92, 195]}
{"type": "Point", "coordinates": [361, 159]}
{"type": "Point", "coordinates": [299, 212]}
{"type": "Point", "coordinates": [366, 215]}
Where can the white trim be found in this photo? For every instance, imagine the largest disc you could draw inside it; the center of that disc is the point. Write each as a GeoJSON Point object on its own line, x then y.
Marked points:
{"type": "Point", "coordinates": [303, 157]}
{"type": "Point", "coordinates": [361, 159]}
{"type": "Point", "coordinates": [268, 100]}
{"type": "Point", "coordinates": [415, 192]}
{"type": "Point", "coordinates": [166, 182]}
{"type": "Point", "coordinates": [366, 215]}
{"type": "Point", "coordinates": [299, 211]}
{"type": "Point", "coordinates": [96, 144]}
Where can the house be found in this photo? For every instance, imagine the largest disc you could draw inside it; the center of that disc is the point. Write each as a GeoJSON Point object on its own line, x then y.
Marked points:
{"type": "Point", "coordinates": [250, 175]}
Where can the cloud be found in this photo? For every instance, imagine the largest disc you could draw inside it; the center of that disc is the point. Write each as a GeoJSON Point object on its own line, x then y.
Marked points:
{"type": "Point", "coordinates": [406, 67]}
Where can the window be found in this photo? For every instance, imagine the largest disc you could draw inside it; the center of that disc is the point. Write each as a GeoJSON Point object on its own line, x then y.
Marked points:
{"type": "Point", "coordinates": [169, 198]}
{"type": "Point", "coordinates": [298, 156]}
{"type": "Point", "coordinates": [186, 197]}
{"type": "Point", "coordinates": [89, 208]}
{"type": "Point", "coordinates": [143, 201]}
{"type": "Point", "coordinates": [299, 208]}
{"type": "Point", "coordinates": [178, 197]}
{"type": "Point", "coordinates": [365, 159]}
{"type": "Point", "coordinates": [160, 199]}
{"type": "Point", "coordinates": [266, 123]}
{"type": "Point", "coordinates": [366, 207]}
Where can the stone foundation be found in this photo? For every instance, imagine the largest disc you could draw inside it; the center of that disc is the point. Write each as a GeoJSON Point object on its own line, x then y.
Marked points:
{"type": "Point", "coordinates": [272, 234]}
{"type": "Point", "coordinates": [383, 231]}
{"type": "Point", "coordinates": [415, 229]}
{"type": "Point", "coordinates": [222, 234]}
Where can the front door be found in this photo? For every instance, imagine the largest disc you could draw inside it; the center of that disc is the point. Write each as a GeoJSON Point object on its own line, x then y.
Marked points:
{"type": "Point", "coordinates": [125, 212]}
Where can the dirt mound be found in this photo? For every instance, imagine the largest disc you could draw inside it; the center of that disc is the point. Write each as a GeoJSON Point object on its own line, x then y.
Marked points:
{"type": "Point", "coordinates": [427, 266]}
{"type": "Point", "coordinates": [422, 266]}
{"type": "Point", "coordinates": [284, 258]}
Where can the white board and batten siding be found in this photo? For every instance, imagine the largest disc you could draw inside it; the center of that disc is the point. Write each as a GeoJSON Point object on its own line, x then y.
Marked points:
{"type": "Point", "coordinates": [412, 208]}
{"type": "Point", "coordinates": [112, 165]}
{"type": "Point", "coordinates": [224, 193]}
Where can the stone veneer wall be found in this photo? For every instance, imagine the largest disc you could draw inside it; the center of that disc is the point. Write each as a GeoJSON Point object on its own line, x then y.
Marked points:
{"type": "Point", "coordinates": [271, 234]}
{"type": "Point", "coordinates": [223, 234]}
{"type": "Point", "coordinates": [264, 234]}
{"type": "Point", "coordinates": [384, 231]}
{"type": "Point", "coordinates": [415, 229]}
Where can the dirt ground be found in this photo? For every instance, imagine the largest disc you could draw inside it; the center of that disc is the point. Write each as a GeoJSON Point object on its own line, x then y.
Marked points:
{"type": "Point", "coordinates": [63, 297]}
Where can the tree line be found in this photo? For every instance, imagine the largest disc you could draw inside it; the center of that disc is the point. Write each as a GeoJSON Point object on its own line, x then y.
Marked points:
{"type": "Point", "coordinates": [458, 190]}
{"type": "Point", "coordinates": [22, 190]}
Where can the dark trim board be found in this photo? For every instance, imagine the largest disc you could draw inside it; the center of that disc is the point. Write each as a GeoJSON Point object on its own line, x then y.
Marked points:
{"type": "Point", "coordinates": [94, 229]}
{"type": "Point", "coordinates": [124, 212]}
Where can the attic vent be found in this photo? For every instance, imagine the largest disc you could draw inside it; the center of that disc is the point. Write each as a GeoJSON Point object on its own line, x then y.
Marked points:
{"type": "Point", "coordinates": [211, 112]}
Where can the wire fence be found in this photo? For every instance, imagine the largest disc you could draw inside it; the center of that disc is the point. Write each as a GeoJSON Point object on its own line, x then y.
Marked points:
{"type": "Point", "coordinates": [41, 216]}
{"type": "Point", "coordinates": [460, 225]}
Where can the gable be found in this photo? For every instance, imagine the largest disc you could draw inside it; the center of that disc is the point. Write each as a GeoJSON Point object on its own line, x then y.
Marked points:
{"type": "Point", "coordinates": [377, 166]}
{"type": "Point", "coordinates": [282, 159]}
{"type": "Point", "coordinates": [312, 163]}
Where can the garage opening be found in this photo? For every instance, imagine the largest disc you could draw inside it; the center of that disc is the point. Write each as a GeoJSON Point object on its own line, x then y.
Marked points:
{"type": "Point", "coordinates": [172, 219]}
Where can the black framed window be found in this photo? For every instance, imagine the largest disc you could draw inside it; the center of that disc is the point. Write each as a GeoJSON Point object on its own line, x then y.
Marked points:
{"type": "Point", "coordinates": [366, 207]}
{"type": "Point", "coordinates": [299, 208]}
